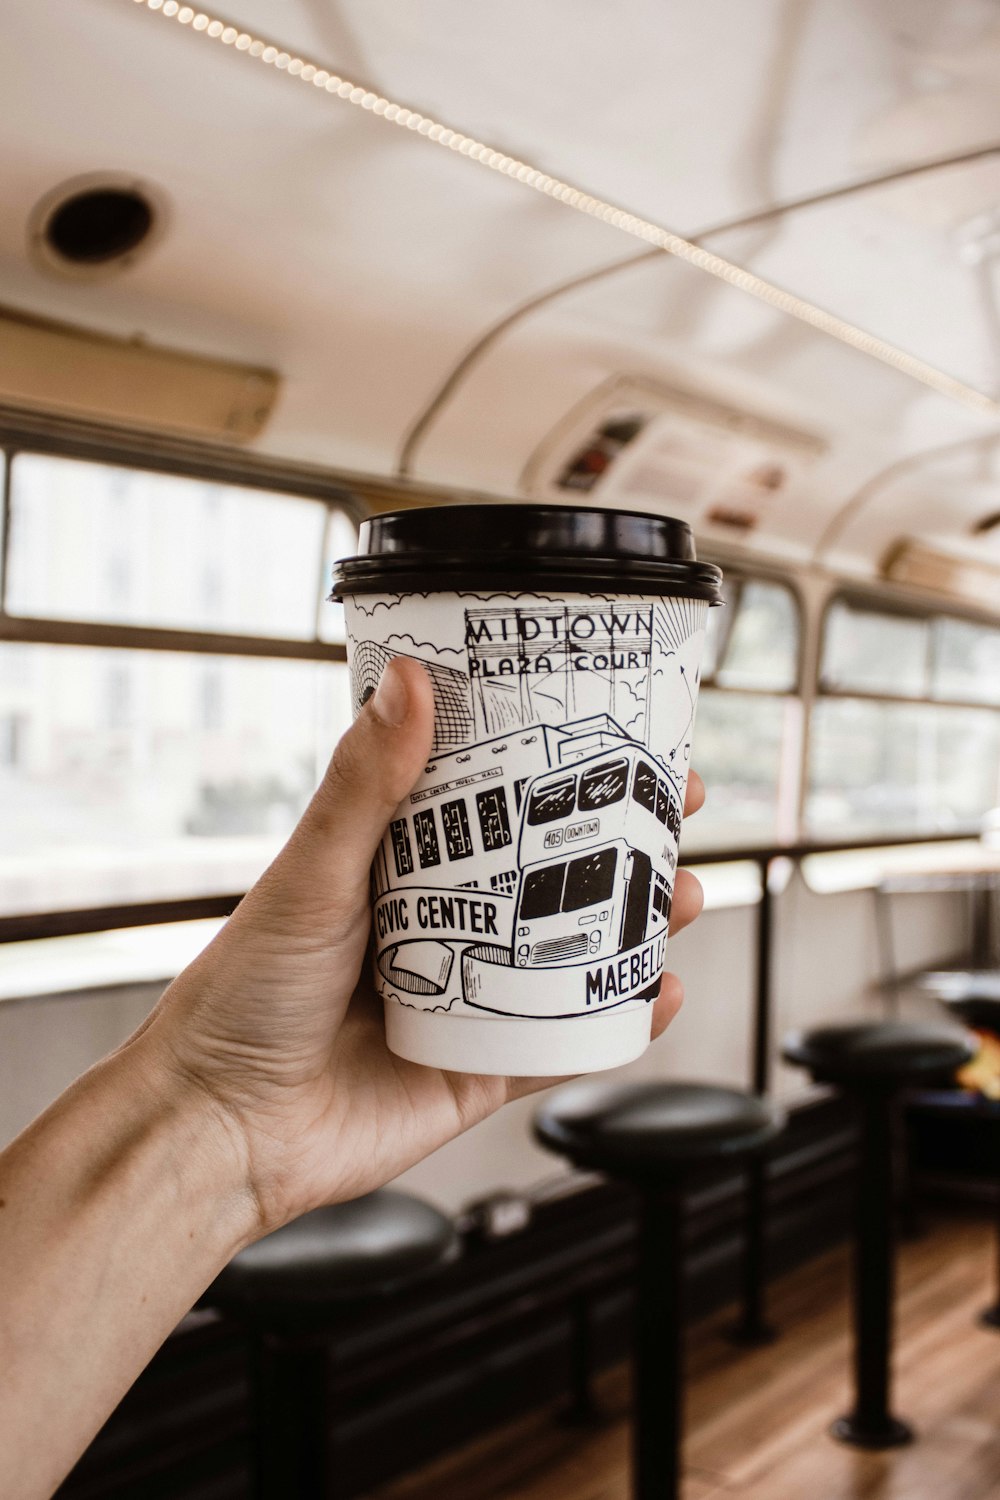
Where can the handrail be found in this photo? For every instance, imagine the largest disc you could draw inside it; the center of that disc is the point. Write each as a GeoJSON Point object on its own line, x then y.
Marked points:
{"type": "Point", "coordinates": [764, 853]}
{"type": "Point", "coordinates": [26, 926]}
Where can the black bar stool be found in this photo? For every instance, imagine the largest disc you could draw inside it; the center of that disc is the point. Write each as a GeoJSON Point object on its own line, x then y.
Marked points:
{"type": "Point", "coordinates": [656, 1136]}
{"type": "Point", "coordinates": [287, 1290]}
{"type": "Point", "coordinates": [874, 1062]}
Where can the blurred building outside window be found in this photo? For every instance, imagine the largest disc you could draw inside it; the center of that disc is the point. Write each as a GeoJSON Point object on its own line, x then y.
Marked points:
{"type": "Point", "coordinates": [128, 774]}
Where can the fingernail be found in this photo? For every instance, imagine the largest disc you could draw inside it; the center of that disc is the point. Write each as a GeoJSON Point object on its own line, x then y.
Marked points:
{"type": "Point", "coordinates": [391, 701]}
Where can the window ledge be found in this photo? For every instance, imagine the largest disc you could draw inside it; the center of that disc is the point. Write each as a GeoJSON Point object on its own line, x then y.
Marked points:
{"type": "Point", "coordinates": [77, 966]}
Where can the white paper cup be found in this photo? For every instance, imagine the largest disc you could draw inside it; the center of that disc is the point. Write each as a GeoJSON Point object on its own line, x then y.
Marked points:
{"type": "Point", "coordinates": [522, 891]}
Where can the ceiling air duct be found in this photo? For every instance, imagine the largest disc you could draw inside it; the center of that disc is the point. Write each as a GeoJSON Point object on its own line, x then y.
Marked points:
{"type": "Point", "coordinates": [926, 565]}
{"type": "Point", "coordinates": [60, 369]}
{"type": "Point", "coordinates": [636, 442]}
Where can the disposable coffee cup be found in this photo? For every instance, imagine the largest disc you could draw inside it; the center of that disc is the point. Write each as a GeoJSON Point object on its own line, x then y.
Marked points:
{"type": "Point", "coordinates": [522, 891]}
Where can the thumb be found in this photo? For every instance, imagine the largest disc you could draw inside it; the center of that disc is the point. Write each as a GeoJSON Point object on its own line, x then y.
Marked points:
{"type": "Point", "coordinates": [324, 866]}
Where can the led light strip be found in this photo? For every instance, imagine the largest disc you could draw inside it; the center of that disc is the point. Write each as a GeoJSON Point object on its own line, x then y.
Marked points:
{"type": "Point", "coordinates": [215, 29]}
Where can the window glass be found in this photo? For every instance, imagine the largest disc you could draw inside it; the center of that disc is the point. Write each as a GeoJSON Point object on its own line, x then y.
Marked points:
{"type": "Point", "coordinates": [428, 850]}
{"type": "Point", "coordinates": [661, 899]}
{"type": "Point", "coordinates": [455, 821]}
{"type": "Point", "coordinates": [870, 651]}
{"type": "Point", "coordinates": [542, 892]}
{"type": "Point", "coordinates": [644, 786]}
{"type": "Point", "coordinates": [122, 546]}
{"type": "Point", "coordinates": [900, 767]}
{"type": "Point", "coordinates": [590, 879]}
{"type": "Point", "coordinates": [494, 823]}
{"type": "Point", "coordinates": [552, 800]}
{"type": "Point", "coordinates": [137, 775]}
{"type": "Point", "coordinates": [602, 785]}
{"type": "Point", "coordinates": [966, 661]}
{"type": "Point", "coordinates": [401, 847]}
{"type": "Point", "coordinates": [762, 649]}
{"type": "Point", "coordinates": [738, 751]}
{"type": "Point", "coordinates": [717, 630]}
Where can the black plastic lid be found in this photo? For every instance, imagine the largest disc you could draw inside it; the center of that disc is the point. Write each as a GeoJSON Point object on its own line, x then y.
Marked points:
{"type": "Point", "coordinates": [526, 548]}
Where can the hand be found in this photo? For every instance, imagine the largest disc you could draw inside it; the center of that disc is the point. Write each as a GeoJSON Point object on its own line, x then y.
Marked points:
{"type": "Point", "coordinates": [277, 1023]}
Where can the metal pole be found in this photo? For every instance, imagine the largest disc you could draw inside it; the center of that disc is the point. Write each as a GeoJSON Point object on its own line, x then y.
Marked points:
{"type": "Point", "coordinates": [990, 1316]}
{"type": "Point", "coordinates": [871, 1423]}
{"type": "Point", "coordinates": [582, 1410]}
{"type": "Point", "coordinates": [657, 1349]}
{"type": "Point", "coordinates": [289, 1441]}
{"type": "Point", "coordinates": [752, 1327]}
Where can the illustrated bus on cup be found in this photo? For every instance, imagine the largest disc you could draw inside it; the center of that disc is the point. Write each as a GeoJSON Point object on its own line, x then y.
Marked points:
{"type": "Point", "coordinates": [573, 830]}
{"type": "Point", "coordinates": [596, 866]}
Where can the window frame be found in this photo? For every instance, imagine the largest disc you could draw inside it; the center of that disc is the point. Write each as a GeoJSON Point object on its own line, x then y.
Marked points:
{"type": "Point", "coordinates": [359, 497]}
{"type": "Point", "coordinates": [738, 573]}
{"type": "Point", "coordinates": [889, 603]}
{"type": "Point", "coordinates": [874, 603]}
{"type": "Point", "coordinates": [211, 465]}
{"type": "Point", "coordinates": [736, 576]}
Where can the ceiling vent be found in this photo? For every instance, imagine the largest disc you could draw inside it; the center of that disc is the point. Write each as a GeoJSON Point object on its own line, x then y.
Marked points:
{"type": "Point", "coordinates": [634, 443]}
{"type": "Point", "coordinates": [96, 226]}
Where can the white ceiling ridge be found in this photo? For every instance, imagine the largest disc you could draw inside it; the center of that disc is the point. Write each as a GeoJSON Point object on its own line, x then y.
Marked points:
{"type": "Point", "coordinates": [467, 361]}
{"type": "Point", "coordinates": [212, 27]}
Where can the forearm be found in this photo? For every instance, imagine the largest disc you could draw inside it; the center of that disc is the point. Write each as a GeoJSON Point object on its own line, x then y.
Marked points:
{"type": "Point", "coordinates": [117, 1208]}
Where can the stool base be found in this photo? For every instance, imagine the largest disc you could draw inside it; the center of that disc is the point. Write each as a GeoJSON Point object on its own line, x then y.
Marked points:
{"type": "Point", "coordinates": [751, 1335]}
{"type": "Point", "coordinates": [588, 1417]}
{"type": "Point", "coordinates": [891, 1434]}
{"type": "Point", "coordinates": [990, 1317]}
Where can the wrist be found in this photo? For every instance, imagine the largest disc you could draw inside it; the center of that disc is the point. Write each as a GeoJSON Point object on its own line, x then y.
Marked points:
{"type": "Point", "coordinates": [199, 1138]}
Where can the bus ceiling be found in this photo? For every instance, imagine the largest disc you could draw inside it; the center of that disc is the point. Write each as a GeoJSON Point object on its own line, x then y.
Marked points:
{"type": "Point", "coordinates": [745, 275]}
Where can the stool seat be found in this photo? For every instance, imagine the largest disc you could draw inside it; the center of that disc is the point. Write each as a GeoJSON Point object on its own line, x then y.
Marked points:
{"type": "Point", "coordinates": [631, 1129]}
{"type": "Point", "coordinates": [349, 1250]}
{"type": "Point", "coordinates": [896, 1052]}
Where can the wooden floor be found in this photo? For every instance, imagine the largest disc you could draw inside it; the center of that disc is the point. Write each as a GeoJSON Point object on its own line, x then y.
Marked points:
{"type": "Point", "coordinates": [757, 1421]}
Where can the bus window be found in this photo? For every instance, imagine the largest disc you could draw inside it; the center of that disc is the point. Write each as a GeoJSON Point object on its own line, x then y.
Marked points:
{"type": "Point", "coordinates": [493, 820]}
{"type": "Point", "coordinates": [554, 800]}
{"type": "Point", "coordinates": [542, 892]}
{"type": "Point", "coordinates": [644, 786]}
{"type": "Point", "coordinates": [590, 879]}
{"type": "Point", "coordinates": [603, 785]}
{"type": "Point", "coordinates": [519, 792]}
{"type": "Point", "coordinates": [456, 829]}
{"type": "Point", "coordinates": [401, 846]}
{"type": "Point", "coordinates": [662, 801]}
{"type": "Point", "coordinates": [674, 820]}
{"type": "Point", "coordinates": [661, 900]}
{"type": "Point", "coordinates": [428, 851]}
